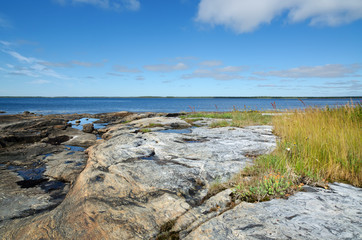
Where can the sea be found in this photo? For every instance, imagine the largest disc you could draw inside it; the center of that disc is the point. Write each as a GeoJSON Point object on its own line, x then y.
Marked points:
{"type": "Point", "coordinates": [92, 105]}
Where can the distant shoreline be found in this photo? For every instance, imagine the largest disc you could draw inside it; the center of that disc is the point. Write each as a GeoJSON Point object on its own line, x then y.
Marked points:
{"type": "Point", "coordinates": [257, 97]}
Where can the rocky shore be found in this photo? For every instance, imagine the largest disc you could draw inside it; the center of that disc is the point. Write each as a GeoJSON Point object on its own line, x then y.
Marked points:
{"type": "Point", "coordinates": [146, 176]}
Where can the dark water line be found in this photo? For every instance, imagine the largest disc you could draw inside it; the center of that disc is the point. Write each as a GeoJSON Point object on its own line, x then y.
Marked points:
{"type": "Point", "coordinates": [171, 105]}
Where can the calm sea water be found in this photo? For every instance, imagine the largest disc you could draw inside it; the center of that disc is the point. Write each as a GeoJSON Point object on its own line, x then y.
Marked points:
{"type": "Point", "coordinates": [101, 105]}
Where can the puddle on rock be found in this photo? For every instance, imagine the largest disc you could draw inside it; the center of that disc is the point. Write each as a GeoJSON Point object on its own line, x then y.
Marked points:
{"type": "Point", "coordinates": [83, 121]}
{"type": "Point", "coordinates": [152, 156]}
{"type": "Point", "coordinates": [75, 148]}
{"type": "Point", "coordinates": [32, 177]}
{"type": "Point", "coordinates": [52, 185]}
{"type": "Point", "coordinates": [180, 131]}
{"type": "Point", "coordinates": [47, 155]}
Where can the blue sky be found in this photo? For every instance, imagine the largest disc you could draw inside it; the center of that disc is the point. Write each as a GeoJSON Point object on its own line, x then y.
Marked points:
{"type": "Point", "coordinates": [181, 48]}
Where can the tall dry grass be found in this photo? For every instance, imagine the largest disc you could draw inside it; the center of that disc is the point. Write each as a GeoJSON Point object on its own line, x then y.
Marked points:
{"type": "Point", "coordinates": [322, 143]}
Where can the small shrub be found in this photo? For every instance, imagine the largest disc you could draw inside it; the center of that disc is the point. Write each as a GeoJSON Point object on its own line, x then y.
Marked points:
{"type": "Point", "coordinates": [222, 123]}
{"type": "Point", "coordinates": [145, 130]}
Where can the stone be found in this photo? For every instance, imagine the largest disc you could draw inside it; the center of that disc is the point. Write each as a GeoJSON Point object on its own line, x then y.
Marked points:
{"type": "Point", "coordinates": [161, 121]}
{"type": "Point", "coordinates": [88, 128]}
{"type": "Point", "coordinates": [322, 214]}
{"type": "Point", "coordinates": [65, 166]}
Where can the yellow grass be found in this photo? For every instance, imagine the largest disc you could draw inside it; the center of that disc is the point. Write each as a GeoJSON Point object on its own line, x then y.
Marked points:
{"type": "Point", "coordinates": [322, 143]}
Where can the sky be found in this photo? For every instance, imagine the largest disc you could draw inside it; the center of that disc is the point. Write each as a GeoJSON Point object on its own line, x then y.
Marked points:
{"type": "Point", "coordinates": [186, 48]}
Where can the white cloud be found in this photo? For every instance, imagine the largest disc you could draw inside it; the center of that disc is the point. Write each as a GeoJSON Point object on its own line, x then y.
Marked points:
{"type": "Point", "coordinates": [87, 64]}
{"type": "Point", "coordinates": [166, 67]}
{"type": "Point", "coordinates": [40, 81]}
{"type": "Point", "coordinates": [211, 74]}
{"type": "Point", "coordinates": [21, 58]}
{"type": "Point", "coordinates": [355, 85]}
{"type": "Point", "coordinates": [5, 43]}
{"type": "Point", "coordinates": [125, 69]}
{"type": "Point", "coordinates": [33, 67]}
{"type": "Point", "coordinates": [231, 69]}
{"type": "Point", "coordinates": [115, 74]}
{"type": "Point", "coordinates": [72, 63]}
{"type": "Point", "coordinates": [325, 71]}
{"type": "Point", "coordinates": [132, 5]}
{"type": "Point", "coordinates": [211, 63]}
{"type": "Point", "coordinates": [247, 15]}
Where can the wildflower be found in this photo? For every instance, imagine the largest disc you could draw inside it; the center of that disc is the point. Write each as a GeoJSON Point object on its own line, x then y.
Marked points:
{"type": "Point", "coordinates": [288, 149]}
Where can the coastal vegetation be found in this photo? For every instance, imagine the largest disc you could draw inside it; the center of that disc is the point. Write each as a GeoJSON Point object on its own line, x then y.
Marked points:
{"type": "Point", "coordinates": [316, 146]}
{"type": "Point", "coordinates": [238, 118]}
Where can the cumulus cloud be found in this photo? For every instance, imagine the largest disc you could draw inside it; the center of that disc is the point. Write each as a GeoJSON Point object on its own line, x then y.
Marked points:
{"type": "Point", "coordinates": [247, 15]}
{"type": "Point", "coordinates": [125, 69]}
{"type": "Point", "coordinates": [132, 5]}
{"type": "Point", "coordinates": [166, 67]}
{"type": "Point", "coordinates": [325, 71]}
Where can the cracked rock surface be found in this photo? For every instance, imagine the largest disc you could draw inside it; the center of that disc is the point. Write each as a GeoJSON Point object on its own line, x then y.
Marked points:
{"type": "Point", "coordinates": [317, 214]}
{"type": "Point", "coordinates": [135, 182]}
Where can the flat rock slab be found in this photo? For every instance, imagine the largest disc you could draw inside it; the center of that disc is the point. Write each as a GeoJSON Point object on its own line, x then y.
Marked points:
{"type": "Point", "coordinates": [134, 183]}
{"type": "Point", "coordinates": [322, 214]}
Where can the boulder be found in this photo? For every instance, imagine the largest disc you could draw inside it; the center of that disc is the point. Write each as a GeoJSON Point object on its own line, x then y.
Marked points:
{"type": "Point", "coordinates": [88, 128]}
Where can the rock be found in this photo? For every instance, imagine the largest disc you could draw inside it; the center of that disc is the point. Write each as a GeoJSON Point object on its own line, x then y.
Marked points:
{"type": "Point", "coordinates": [134, 183]}
{"type": "Point", "coordinates": [19, 200]}
{"type": "Point", "coordinates": [2, 112]}
{"type": "Point", "coordinates": [201, 214]}
{"type": "Point", "coordinates": [88, 128]}
{"type": "Point", "coordinates": [161, 121]}
{"type": "Point", "coordinates": [323, 214]}
{"type": "Point", "coordinates": [65, 166]}
{"type": "Point", "coordinates": [75, 137]}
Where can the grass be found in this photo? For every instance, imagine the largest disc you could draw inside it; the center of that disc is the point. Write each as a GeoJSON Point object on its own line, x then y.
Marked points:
{"type": "Point", "coordinates": [248, 118]}
{"type": "Point", "coordinates": [322, 143]}
{"type": "Point", "coordinates": [219, 115]}
{"type": "Point", "coordinates": [145, 130]}
{"type": "Point", "coordinates": [239, 118]}
{"type": "Point", "coordinates": [316, 146]}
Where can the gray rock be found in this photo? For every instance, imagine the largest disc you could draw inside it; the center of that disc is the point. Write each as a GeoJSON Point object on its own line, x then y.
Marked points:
{"type": "Point", "coordinates": [134, 183]}
{"type": "Point", "coordinates": [322, 214]}
{"type": "Point", "coordinates": [88, 128]}
{"type": "Point", "coordinates": [65, 166]}
{"type": "Point", "coordinates": [77, 137]}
